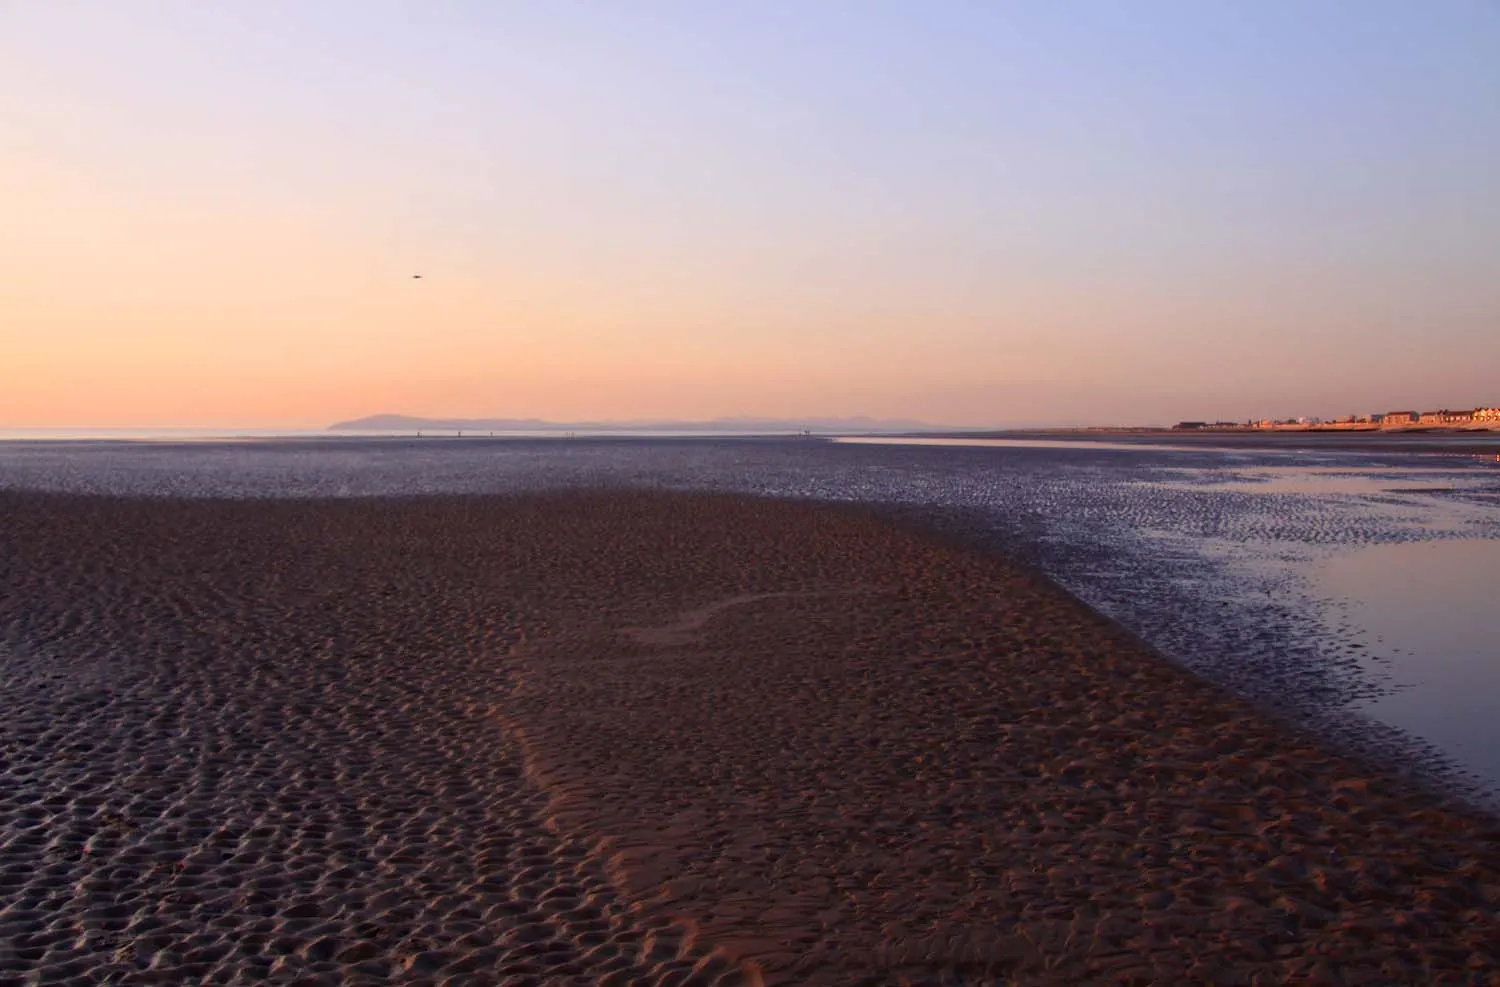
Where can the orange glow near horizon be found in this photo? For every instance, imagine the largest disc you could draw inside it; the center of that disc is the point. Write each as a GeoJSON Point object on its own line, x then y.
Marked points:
{"type": "Point", "coordinates": [213, 314]}
{"type": "Point", "coordinates": [194, 240]}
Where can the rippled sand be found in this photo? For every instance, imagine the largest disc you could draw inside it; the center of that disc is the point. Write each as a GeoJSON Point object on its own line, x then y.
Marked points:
{"type": "Point", "coordinates": [632, 738]}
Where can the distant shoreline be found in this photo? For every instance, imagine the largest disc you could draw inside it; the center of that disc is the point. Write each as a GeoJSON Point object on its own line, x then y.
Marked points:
{"type": "Point", "coordinates": [1154, 430]}
{"type": "Point", "coordinates": [1415, 439]}
{"type": "Point", "coordinates": [1419, 439]}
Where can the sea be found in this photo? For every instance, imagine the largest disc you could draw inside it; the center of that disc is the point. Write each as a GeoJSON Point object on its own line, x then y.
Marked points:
{"type": "Point", "coordinates": [1352, 592]}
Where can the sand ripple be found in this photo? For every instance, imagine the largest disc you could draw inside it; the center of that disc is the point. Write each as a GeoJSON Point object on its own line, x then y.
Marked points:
{"type": "Point", "coordinates": [636, 738]}
{"type": "Point", "coordinates": [251, 746]}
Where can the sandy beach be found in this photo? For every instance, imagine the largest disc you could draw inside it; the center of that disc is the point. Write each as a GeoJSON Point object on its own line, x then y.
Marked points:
{"type": "Point", "coordinates": [654, 738]}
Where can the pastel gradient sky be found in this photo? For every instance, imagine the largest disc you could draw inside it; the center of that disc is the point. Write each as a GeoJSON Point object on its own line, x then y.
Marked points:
{"type": "Point", "coordinates": [964, 212]}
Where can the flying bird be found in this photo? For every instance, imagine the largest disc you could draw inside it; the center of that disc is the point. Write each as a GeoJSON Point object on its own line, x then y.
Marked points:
{"type": "Point", "coordinates": [417, 277]}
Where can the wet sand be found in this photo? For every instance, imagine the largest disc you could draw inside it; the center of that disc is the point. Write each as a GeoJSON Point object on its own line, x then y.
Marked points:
{"type": "Point", "coordinates": [1451, 441]}
{"type": "Point", "coordinates": [631, 737]}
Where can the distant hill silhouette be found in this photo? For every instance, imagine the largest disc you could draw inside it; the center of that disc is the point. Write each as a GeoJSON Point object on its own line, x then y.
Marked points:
{"type": "Point", "coordinates": [409, 423]}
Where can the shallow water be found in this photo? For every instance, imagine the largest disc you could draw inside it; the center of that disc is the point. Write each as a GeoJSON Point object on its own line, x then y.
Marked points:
{"type": "Point", "coordinates": [1426, 615]}
{"type": "Point", "coordinates": [984, 443]}
{"type": "Point", "coordinates": [1302, 578]}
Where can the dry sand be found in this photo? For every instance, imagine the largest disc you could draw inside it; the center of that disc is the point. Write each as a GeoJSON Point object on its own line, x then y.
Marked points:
{"type": "Point", "coordinates": [653, 738]}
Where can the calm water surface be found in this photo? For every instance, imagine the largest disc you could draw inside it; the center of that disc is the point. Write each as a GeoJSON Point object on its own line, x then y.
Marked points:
{"type": "Point", "coordinates": [1428, 615]}
{"type": "Point", "coordinates": [1352, 591]}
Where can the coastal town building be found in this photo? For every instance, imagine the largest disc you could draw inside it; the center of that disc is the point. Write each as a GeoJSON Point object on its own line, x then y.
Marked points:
{"type": "Point", "coordinates": [1488, 417]}
{"type": "Point", "coordinates": [1446, 417]}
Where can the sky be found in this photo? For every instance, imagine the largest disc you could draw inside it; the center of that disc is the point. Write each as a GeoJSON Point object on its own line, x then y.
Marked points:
{"type": "Point", "coordinates": [967, 213]}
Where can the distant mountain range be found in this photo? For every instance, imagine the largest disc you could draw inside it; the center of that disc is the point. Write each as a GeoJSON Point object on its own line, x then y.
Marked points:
{"type": "Point", "coordinates": [749, 426]}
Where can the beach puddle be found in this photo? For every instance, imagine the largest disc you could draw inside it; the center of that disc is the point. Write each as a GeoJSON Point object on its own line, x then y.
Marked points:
{"type": "Point", "coordinates": [1425, 613]}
